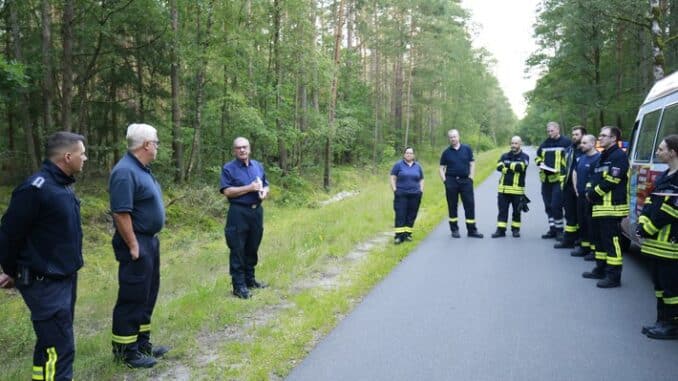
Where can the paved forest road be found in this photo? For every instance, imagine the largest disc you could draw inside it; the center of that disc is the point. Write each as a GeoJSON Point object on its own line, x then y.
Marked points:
{"type": "Point", "coordinates": [496, 309]}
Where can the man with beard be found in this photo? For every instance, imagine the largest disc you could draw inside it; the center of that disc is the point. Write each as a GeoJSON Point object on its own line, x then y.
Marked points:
{"type": "Point", "coordinates": [569, 197]}
{"type": "Point", "coordinates": [512, 166]}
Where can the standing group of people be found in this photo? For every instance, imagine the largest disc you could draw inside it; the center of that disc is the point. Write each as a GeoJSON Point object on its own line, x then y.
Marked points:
{"type": "Point", "coordinates": [41, 245]}
{"type": "Point", "coordinates": [591, 189]}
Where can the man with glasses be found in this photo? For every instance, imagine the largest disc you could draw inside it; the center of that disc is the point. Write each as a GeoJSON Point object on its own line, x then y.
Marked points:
{"type": "Point", "coordinates": [139, 215]}
{"type": "Point", "coordinates": [244, 184]}
{"type": "Point", "coordinates": [607, 194]}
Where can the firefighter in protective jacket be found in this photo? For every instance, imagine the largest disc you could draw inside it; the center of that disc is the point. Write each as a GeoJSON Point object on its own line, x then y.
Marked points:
{"type": "Point", "coordinates": [658, 224]}
{"type": "Point", "coordinates": [607, 193]}
{"type": "Point", "coordinates": [512, 166]}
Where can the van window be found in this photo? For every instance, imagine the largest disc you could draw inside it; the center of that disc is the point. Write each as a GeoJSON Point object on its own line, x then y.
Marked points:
{"type": "Point", "coordinates": [648, 128]}
{"type": "Point", "coordinates": [669, 124]}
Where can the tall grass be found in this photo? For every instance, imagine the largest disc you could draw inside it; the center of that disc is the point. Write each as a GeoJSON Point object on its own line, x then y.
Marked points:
{"type": "Point", "coordinates": [307, 256]}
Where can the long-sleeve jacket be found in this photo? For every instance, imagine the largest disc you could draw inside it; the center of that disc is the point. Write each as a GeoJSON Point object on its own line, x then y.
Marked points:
{"type": "Point", "coordinates": [571, 155]}
{"type": "Point", "coordinates": [552, 154]}
{"type": "Point", "coordinates": [658, 222]}
{"type": "Point", "coordinates": [608, 187]}
{"type": "Point", "coordinates": [512, 167]}
{"type": "Point", "coordinates": [41, 229]}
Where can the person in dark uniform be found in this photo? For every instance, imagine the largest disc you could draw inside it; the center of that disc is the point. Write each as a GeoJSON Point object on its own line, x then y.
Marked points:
{"type": "Point", "coordinates": [571, 233]}
{"type": "Point", "coordinates": [244, 183]}
{"type": "Point", "coordinates": [139, 215]}
{"type": "Point", "coordinates": [608, 196]}
{"type": "Point", "coordinates": [658, 226]}
{"type": "Point", "coordinates": [580, 177]}
{"type": "Point", "coordinates": [41, 252]}
{"type": "Point", "coordinates": [513, 166]}
{"type": "Point", "coordinates": [407, 182]}
{"type": "Point", "coordinates": [551, 161]}
{"type": "Point", "coordinates": [457, 168]}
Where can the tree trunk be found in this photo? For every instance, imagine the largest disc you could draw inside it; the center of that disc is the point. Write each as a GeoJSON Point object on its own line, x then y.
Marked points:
{"type": "Point", "coordinates": [195, 161]}
{"type": "Point", "coordinates": [46, 66]}
{"type": "Point", "coordinates": [67, 64]}
{"type": "Point", "coordinates": [24, 101]}
{"type": "Point", "coordinates": [339, 26]}
{"type": "Point", "coordinates": [408, 97]}
{"type": "Point", "coordinates": [177, 146]}
{"type": "Point", "coordinates": [282, 151]}
{"type": "Point", "coordinates": [658, 10]}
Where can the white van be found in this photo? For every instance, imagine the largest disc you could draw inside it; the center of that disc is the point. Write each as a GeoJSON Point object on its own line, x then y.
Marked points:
{"type": "Point", "coordinates": [657, 118]}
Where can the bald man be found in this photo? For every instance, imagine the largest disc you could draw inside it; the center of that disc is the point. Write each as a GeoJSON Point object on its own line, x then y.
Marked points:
{"type": "Point", "coordinates": [512, 166]}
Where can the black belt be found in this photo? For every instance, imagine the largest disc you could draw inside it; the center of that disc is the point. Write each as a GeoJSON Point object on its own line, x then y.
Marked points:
{"type": "Point", "coordinates": [457, 177]}
{"type": "Point", "coordinates": [250, 206]}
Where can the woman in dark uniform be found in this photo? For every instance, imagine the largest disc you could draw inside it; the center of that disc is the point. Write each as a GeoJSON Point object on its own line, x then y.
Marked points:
{"type": "Point", "coordinates": [407, 183]}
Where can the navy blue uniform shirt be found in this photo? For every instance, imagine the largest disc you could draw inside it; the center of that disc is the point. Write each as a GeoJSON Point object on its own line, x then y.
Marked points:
{"type": "Point", "coordinates": [41, 229]}
{"type": "Point", "coordinates": [585, 165]}
{"type": "Point", "coordinates": [134, 190]}
{"type": "Point", "coordinates": [236, 174]}
{"type": "Point", "coordinates": [458, 161]}
{"type": "Point", "coordinates": [408, 177]}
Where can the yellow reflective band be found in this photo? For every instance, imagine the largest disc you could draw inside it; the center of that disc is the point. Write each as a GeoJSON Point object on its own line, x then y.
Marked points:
{"type": "Point", "coordinates": [454, 219]}
{"type": "Point", "coordinates": [659, 294]}
{"type": "Point", "coordinates": [601, 255]}
{"type": "Point", "coordinates": [37, 373]}
{"type": "Point", "coordinates": [668, 209]}
{"type": "Point", "coordinates": [145, 327]}
{"type": "Point", "coordinates": [571, 229]}
{"type": "Point", "coordinates": [515, 224]}
{"type": "Point", "coordinates": [407, 230]}
{"type": "Point", "coordinates": [501, 224]}
{"type": "Point", "coordinates": [613, 261]}
{"type": "Point", "coordinates": [611, 179]}
{"type": "Point", "coordinates": [397, 230]}
{"type": "Point", "coordinates": [470, 221]}
{"type": "Point", "coordinates": [585, 244]}
{"type": "Point", "coordinates": [617, 247]}
{"type": "Point", "coordinates": [50, 366]}
{"type": "Point", "coordinates": [660, 249]}
{"type": "Point", "coordinates": [599, 191]}
{"type": "Point", "coordinates": [124, 339]}
{"type": "Point", "coordinates": [672, 301]}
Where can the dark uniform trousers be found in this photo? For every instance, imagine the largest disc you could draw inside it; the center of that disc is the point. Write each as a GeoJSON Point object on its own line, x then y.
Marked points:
{"type": "Point", "coordinates": [139, 285]}
{"type": "Point", "coordinates": [52, 305]}
{"type": "Point", "coordinates": [456, 186]}
{"type": "Point", "coordinates": [585, 224]}
{"type": "Point", "coordinates": [503, 202]}
{"type": "Point", "coordinates": [244, 230]}
{"type": "Point", "coordinates": [571, 215]}
{"type": "Point", "coordinates": [406, 207]}
{"type": "Point", "coordinates": [665, 279]}
{"type": "Point", "coordinates": [552, 195]}
{"type": "Point", "coordinates": [607, 232]}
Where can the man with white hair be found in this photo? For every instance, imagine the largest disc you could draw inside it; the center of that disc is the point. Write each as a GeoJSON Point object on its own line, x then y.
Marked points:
{"type": "Point", "coordinates": [139, 215]}
{"type": "Point", "coordinates": [513, 166]}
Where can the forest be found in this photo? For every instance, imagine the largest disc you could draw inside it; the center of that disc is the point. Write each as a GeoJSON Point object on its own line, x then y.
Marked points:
{"type": "Point", "coordinates": [312, 83]}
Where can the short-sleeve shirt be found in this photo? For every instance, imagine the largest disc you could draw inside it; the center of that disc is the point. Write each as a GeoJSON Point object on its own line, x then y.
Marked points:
{"type": "Point", "coordinates": [408, 177]}
{"type": "Point", "coordinates": [134, 190]}
{"type": "Point", "coordinates": [458, 161]}
{"type": "Point", "coordinates": [585, 165]}
{"type": "Point", "coordinates": [236, 174]}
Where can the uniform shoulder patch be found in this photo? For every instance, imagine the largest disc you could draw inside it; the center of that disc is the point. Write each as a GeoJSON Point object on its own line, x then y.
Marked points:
{"type": "Point", "coordinates": [38, 182]}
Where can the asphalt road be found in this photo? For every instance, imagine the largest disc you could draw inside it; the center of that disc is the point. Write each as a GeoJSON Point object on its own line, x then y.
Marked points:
{"type": "Point", "coordinates": [496, 309]}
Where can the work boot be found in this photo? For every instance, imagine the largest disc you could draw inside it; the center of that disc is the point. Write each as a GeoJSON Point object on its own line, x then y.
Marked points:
{"type": "Point", "coordinates": [397, 240]}
{"type": "Point", "coordinates": [664, 331]}
{"type": "Point", "coordinates": [564, 244]}
{"type": "Point", "coordinates": [149, 349]}
{"type": "Point", "coordinates": [578, 252]}
{"type": "Point", "coordinates": [408, 237]}
{"type": "Point", "coordinates": [474, 234]}
{"type": "Point", "coordinates": [499, 233]}
{"type": "Point", "coordinates": [132, 358]}
{"type": "Point", "coordinates": [610, 281]}
{"type": "Point", "coordinates": [596, 273]}
{"type": "Point", "coordinates": [559, 236]}
{"type": "Point", "coordinates": [657, 324]}
{"type": "Point", "coordinates": [254, 284]}
{"type": "Point", "coordinates": [455, 234]}
{"type": "Point", "coordinates": [241, 292]}
{"type": "Point", "coordinates": [590, 256]}
{"type": "Point", "coordinates": [515, 233]}
{"type": "Point", "coordinates": [549, 234]}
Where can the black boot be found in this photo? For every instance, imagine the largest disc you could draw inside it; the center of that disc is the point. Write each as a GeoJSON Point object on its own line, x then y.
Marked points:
{"type": "Point", "coordinates": [132, 357]}
{"type": "Point", "coordinates": [597, 273]}
{"type": "Point", "coordinates": [499, 233]}
{"type": "Point", "coordinates": [564, 244]}
{"type": "Point", "coordinates": [515, 233]}
{"type": "Point", "coordinates": [156, 351]}
{"type": "Point", "coordinates": [664, 331]}
{"type": "Point", "coordinates": [661, 317]}
{"type": "Point", "coordinates": [612, 278]}
{"type": "Point", "coordinates": [549, 234]}
{"type": "Point", "coordinates": [578, 252]}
